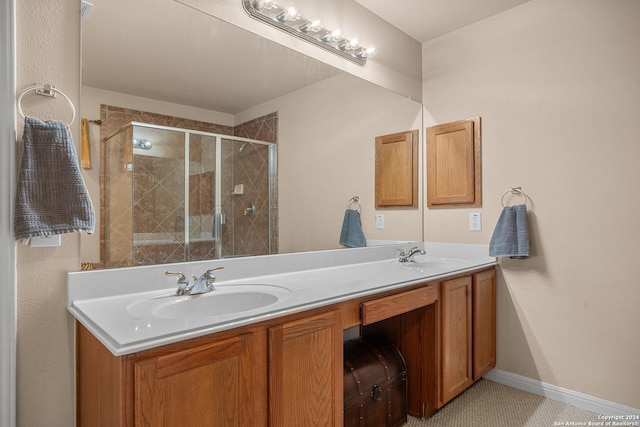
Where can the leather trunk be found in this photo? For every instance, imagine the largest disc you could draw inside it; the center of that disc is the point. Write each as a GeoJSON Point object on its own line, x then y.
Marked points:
{"type": "Point", "coordinates": [375, 385]}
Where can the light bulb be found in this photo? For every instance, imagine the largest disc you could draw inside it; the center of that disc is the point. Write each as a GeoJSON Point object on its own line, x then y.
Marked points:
{"type": "Point", "coordinates": [353, 44]}
{"type": "Point", "coordinates": [265, 4]}
{"type": "Point", "coordinates": [291, 13]}
{"type": "Point", "coordinates": [312, 25]}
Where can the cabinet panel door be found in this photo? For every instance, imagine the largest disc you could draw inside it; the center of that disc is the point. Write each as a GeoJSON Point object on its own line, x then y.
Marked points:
{"type": "Point", "coordinates": [484, 322]}
{"type": "Point", "coordinates": [454, 173]}
{"type": "Point", "coordinates": [305, 372]}
{"type": "Point", "coordinates": [397, 170]}
{"type": "Point", "coordinates": [456, 368]}
{"type": "Point", "coordinates": [210, 385]}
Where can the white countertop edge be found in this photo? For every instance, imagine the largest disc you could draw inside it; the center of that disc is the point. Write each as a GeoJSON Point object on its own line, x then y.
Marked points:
{"type": "Point", "coordinates": [146, 344]}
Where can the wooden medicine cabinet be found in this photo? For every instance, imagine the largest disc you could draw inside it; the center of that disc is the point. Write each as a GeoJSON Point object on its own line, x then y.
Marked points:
{"type": "Point", "coordinates": [397, 170]}
{"type": "Point", "coordinates": [454, 172]}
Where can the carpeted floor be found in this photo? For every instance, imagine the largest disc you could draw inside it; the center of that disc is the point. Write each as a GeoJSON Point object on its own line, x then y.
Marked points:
{"type": "Point", "coordinates": [487, 403]}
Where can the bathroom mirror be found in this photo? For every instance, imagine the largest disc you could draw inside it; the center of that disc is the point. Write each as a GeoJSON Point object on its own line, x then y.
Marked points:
{"type": "Point", "coordinates": [162, 57]}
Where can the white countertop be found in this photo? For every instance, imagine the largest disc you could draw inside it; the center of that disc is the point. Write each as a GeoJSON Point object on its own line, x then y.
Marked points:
{"type": "Point", "coordinates": [108, 302]}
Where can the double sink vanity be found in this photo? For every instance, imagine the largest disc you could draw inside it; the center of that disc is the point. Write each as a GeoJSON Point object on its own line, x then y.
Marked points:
{"type": "Point", "coordinates": [265, 345]}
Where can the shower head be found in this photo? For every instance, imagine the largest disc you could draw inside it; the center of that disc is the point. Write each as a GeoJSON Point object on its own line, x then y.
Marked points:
{"type": "Point", "coordinates": [242, 147]}
{"type": "Point", "coordinates": [142, 143]}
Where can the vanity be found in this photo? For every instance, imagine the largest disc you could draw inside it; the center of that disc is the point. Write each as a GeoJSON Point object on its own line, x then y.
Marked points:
{"type": "Point", "coordinates": [143, 360]}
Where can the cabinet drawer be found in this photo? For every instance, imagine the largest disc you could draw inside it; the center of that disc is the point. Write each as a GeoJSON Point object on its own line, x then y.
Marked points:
{"type": "Point", "coordinates": [393, 305]}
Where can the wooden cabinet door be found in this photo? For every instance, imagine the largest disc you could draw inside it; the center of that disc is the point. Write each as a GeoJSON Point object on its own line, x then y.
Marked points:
{"type": "Point", "coordinates": [484, 322]}
{"type": "Point", "coordinates": [454, 172]}
{"type": "Point", "coordinates": [397, 170]}
{"type": "Point", "coordinates": [456, 336]}
{"type": "Point", "coordinates": [210, 385]}
{"type": "Point", "coordinates": [305, 372]}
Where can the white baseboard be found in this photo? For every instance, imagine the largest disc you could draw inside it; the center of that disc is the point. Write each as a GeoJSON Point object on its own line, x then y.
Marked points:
{"type": "Point", "coordinates": [560, 394]}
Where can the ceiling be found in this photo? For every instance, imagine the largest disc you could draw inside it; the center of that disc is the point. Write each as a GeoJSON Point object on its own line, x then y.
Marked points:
{"type": "Point", "coordinates": [424, 20]}
{"type": "Point", "coordinates": [160, 49]}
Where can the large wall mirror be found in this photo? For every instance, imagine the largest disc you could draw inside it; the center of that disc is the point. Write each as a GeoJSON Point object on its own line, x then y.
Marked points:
{"type": "Point", "coordinates": [163, 63]}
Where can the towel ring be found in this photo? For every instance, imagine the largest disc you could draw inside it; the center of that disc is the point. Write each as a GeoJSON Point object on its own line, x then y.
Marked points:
{"type": "Point", "coordinates": [354, 200]}
{"type": "Point", "coordinates": [46, 90]}
{"type": "Point", "coordinates": [514, 190]}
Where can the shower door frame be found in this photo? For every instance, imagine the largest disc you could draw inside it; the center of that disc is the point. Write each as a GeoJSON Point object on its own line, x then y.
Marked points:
{"type": "Point", "coordinates": [218, 214]}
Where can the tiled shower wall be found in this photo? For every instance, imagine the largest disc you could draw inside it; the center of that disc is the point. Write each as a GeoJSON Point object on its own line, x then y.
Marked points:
{"type": "Point", "coordinates": [155, 177]}
{"type": "Point", "coordinates": [251, 168]}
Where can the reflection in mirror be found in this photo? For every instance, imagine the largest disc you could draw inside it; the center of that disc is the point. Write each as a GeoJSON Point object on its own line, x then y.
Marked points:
{"type": "Point", "coordinates": [160, 62]}
{"type": "Point", "coordinates": [173, 195]}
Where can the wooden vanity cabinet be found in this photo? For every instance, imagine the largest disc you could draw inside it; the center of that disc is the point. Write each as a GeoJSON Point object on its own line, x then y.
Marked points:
{"type": "Point", "coordinates": [216, 382]}
{"type": "Point", "coordinates": [456, 337]}
{"type": "Point", "coordinates": [288, 371]}
{"type": "Point", "coordinates": [484, 323]}
{"type": "Point", "coordinates": [305, 372]}
{"type": "Point", "coordinates": [208, 385]}
{"type": "Point", "coordinates": [285, 372]}
{"type": "Point", "coordinates": [468, 336]}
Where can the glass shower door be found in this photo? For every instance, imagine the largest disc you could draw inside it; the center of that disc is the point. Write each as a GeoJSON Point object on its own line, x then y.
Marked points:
{"type": "Point", "coordinates": [158, 202]}
{"type": "Point", "coordinates": [246, 197]}
{"type": "Point", "coordinates": [203, 238]}
{"type": "Point", "coordinates": [230, 198]}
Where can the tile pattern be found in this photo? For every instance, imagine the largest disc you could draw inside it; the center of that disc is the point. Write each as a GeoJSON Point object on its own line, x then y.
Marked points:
{"type": "Point", "coordinates": [152, 232]}
{"type": "Point", "coordinates": [252, 169]}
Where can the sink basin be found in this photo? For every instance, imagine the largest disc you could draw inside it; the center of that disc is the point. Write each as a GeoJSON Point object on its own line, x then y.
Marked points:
{"type": "Point", "coordinates": [227, 299]}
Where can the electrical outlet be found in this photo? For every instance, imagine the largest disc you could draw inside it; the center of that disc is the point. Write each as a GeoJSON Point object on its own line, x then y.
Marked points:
{"type": "Point", "coordinates": [380, 221]}
{"type": "Point", "coordinates": [475, 221]}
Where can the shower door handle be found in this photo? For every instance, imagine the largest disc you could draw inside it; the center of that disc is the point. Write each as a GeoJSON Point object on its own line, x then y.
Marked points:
{"type": "Point", "coordinates": [219, 221]}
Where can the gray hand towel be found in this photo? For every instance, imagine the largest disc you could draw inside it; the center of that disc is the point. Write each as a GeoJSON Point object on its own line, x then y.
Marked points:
{"type": "Point", "coordinates": [351, 234]}
{"type": "Point", "coordinates": [511, 235]}
{"type": "Point", "coordinates": [51, 197]}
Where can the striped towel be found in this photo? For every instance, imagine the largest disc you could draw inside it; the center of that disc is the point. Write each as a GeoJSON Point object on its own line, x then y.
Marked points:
{"type": "Point", "coordinates": [51, 197]}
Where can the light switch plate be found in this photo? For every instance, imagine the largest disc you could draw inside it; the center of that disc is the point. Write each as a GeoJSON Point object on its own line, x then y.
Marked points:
{"type": "Point", "coordinates": [475, 221]}
{"type": "Point", "coordinates": [380, 221]}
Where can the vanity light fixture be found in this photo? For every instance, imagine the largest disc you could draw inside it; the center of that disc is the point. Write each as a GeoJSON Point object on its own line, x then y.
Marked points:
{"type": "Point", "coordinates": [289, 19]}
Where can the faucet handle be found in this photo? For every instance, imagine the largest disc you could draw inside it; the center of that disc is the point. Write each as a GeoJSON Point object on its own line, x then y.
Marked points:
{"type": "Point", "coordinates": [181, 277]}
{"type": "Point", "coordinates": [210, 276]}
{"type": "Point", "coordinates": [183, 282]}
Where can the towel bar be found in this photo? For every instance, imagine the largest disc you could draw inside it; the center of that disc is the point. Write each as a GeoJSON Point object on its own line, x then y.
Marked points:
{"type": "Point", "coordinates": [514, 190]}
{"type": "Point", "coordinates": [46, 90]}
{"type": "Point", "coordinates": [356, 200]}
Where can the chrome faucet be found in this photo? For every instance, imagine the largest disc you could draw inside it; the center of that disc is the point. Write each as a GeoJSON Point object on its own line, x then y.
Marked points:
{"type": "Point", "coordinates": [407, 257]}
{"type": "Point", "coordinates": [201, 284]}
{"type": "Point", "coordinates": [204, 283]}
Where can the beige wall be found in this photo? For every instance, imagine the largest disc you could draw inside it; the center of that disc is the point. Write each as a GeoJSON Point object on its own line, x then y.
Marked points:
{"type": "Point", "coordinates": [48, 51]}
{"type": "Point", "coordinates": [557, 85]}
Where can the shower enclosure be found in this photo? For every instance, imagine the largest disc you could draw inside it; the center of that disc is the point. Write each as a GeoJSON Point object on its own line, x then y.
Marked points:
{"type": "Point", "coordinates": [173, 195]}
